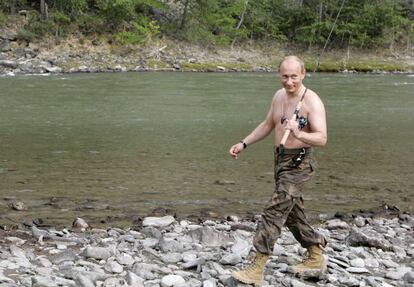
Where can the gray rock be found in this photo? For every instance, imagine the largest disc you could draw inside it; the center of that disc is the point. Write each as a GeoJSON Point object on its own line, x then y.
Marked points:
{"type": "Point", "coordinates": [399, 252]}
{"type": "Point", "coordinates": [241, 247]}
{"type": "Point", "coordinates": [151, 232]}
{"type": "Point", "coordinates": [357, 262]}
{"type": "Point", "coordinates": [373, 281]}
{"type": "Point", "coordinates": [40, 281]}
{"type": "Point", "coordinates": [145, 270]}
{"type": "Point", "coordinates": [172, 280]}
{"type": "Point", "coordinates": [98, 252]}
{"type": "Point", "coordinates": [4, 46]}
{"type": "Point", "coordinates": [339, 262]}
{"type": "Point", "coordinates": [158, 221]}
{"type": "Point", "coordinates": [150, 242]}
{"type": "Point", "coordinates": [357, 238]}
{"type": "Point", "coordinates": [297, 283]}
{"type": "Point", "coordinates": [53, 69]}
{"type": "Point", "coordinates": [113, 267]}
{"type": "Point", "coordinates": [26, 67]}
{"type": "Point", "coordinates": [22, 262]}
{"type": "Point", "coordinates": [17, 251]}
{"type": "Point", "coordinates": [67, 255]}
{"type": "Point", "coordinates": [189, 256]}
{"type": "Point", "coordinates": [5, 279]}
{"type": "Point", "coordinates": [357, 270]}
{"type": "Point", "coordinates": [134, 280]}
{"type": "Point", "coordinates": [171, 257]}
{"type": "Point", "coordinates": [8, 64]}
{"type": "Point", "coordinates": [64, 282]}
{"type": "Point", "coordinates": [371, 263]}
{"type": "Point", "coordinates": [194, 264]}
{"type": "Point", "coordinates": [309, 274]}
{"type": "Point", "coordinates": [397, 274]}
{"type": "Point", "coordinates": [389, 263]}
{"type": "Point", "coordinates": [83, 281]}
{"type": "Point", "coordinates": [210, 283]}
{"type": "Point", "coordinates": [336, 224]}
{"type": "Point", "coordinates": [15, 240]}
{"type": "Point", "coordinates": [78, 223]}
{"type": "Point", "coordinates": [113, 282]}
{"type": "Point", "coordinates": [208, 236]}
{"type": "Point", "coordinates": [125, 259]}
{"type": "Point", "coordinates": [127, 238]}
{"type": "Point", "coordinates": [170, 245]}
{"type": "Point", "coordinates": [43, 261]}
{"type": "Point", "coordinates": [231, 259]}
{"type": "Point", "coordinates": [360, 221]}
{"type": "Point", "coordinates": [409, 277]}
{"type": "Point", "coordinates": [349, 281]}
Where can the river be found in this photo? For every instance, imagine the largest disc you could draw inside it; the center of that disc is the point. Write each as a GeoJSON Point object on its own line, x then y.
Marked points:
{"type": "Point", "coordinates": [108, 147]}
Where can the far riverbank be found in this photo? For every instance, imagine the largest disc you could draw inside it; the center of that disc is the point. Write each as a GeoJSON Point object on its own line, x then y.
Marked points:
{"type": "Point", "coordinates": [91, 55]}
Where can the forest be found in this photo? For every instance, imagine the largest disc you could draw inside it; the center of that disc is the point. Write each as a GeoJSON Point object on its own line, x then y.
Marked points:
{"type": "Point", "coordinates": [307, 24]}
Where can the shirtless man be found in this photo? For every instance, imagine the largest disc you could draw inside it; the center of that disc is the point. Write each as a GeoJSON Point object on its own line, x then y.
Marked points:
{"type": "Point", "coordinates": [294, 165]}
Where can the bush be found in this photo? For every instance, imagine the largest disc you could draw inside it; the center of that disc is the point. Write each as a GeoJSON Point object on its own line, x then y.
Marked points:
{"type": "Point", "coordinates": [39, 27]}
{"type": "Point", "coordinates": [142, 31]}
{"type": "Point", "coordinates": [25, 35]}
{"type": "Point", "coordinates": [90, 24]}
{"type": "Point", "coordinates": [72, 8]}
{"type": "Point", "coordinates": [62, 23]}
{"type": "Point", "coordinates": [117, 11]}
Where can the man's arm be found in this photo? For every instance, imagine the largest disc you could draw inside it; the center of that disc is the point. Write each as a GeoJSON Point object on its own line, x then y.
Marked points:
{"type": "Point", "coordinates": [317, 119]}
{"type": "Point", "coordinates": [259, 133]}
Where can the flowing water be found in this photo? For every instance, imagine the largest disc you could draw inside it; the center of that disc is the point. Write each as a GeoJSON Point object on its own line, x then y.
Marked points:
{"type": "Point", "coordinates": [107, 147]}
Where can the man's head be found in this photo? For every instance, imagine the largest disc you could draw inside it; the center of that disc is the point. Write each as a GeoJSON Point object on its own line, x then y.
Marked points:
{"type": "Point", "coordinates": [291, 73]}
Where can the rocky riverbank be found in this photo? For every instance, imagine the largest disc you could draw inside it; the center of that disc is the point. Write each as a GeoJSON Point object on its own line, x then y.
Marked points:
{"type": "Point", "coordinates": [163, 251]}
{"type": "Point", "coordinates": [78, 54]}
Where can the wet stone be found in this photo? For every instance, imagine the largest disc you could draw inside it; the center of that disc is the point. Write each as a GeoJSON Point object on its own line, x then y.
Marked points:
{"type": "Point", "coordinates": [98, 252]}
{"type": "Point", "coordinates": [158, 221]}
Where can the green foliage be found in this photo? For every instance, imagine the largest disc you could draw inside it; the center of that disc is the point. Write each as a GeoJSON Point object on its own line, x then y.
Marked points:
{"type": "Point", "coordinates": [62, 23]}
{"type": "Point", "coordinates": [72, 8]}
{"type": "Point", "coordinates": [3, 19]}
{"type": "Point", "coordinates": [143, 31]}
{"type": "Point", "coordinates": [12, 6]}
{"type": "Point", "coordinates": [309, 23]}
{"type": "Point", "coordinates": [90, 24]}
{"type": "Point", "coordinates": [39, 27]}
{"type": "Point", "coordinates": [117, 11]}
{"type": "Point", "coordinates": [25, 35]}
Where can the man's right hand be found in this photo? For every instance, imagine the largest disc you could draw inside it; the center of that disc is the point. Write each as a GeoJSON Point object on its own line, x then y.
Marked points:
{"type": "Point", "coordinates": [236, 149]}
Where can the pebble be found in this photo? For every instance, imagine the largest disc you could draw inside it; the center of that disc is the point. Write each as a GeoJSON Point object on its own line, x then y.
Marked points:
{"type": "Point", "coordinates": [172, 280]}
{"type": "Point", "coordinates": [98, 252]}
{"type": "Point", "coordinates": [158, 221]}
{"type": "Point", "coordinates": [357, 262]}
{"type": "Point", "coordinates": [113, 267]}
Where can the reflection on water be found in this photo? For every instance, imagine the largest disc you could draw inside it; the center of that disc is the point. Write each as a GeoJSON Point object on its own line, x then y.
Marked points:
{"type": "Point", "coordinates": [110, 146]}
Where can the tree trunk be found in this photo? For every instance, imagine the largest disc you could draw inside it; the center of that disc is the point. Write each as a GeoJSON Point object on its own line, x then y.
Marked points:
{"type": "Point", "coordinates": [241, 21]}
{"type": "Point", "coordinates": [43, 10]}
{"type": "Point", "coordinates": [184, 17]}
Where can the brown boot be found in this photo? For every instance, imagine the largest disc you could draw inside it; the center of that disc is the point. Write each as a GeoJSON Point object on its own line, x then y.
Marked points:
{"type": "Point", "coordinates": [253, 274]}
{"type": "Point", "coordinates": [315, 261]}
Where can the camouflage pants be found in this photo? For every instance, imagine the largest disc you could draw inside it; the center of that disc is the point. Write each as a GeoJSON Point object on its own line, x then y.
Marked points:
{"type": "Point", "coordinates": [286, 205]}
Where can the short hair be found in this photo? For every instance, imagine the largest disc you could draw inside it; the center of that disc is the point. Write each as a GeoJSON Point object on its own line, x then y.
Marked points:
{"type": "Point", "coordinates": [294, 58]}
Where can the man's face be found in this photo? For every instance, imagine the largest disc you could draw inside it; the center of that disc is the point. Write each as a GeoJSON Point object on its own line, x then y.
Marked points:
{"type": "Point", "coordinates": [291, 76]}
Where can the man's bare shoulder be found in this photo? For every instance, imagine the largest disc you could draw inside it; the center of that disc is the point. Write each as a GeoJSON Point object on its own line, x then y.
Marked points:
{"type": "Point", "coordinates": [279, 93]}
{"type": "Point", "coordinates": [312, 98]}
